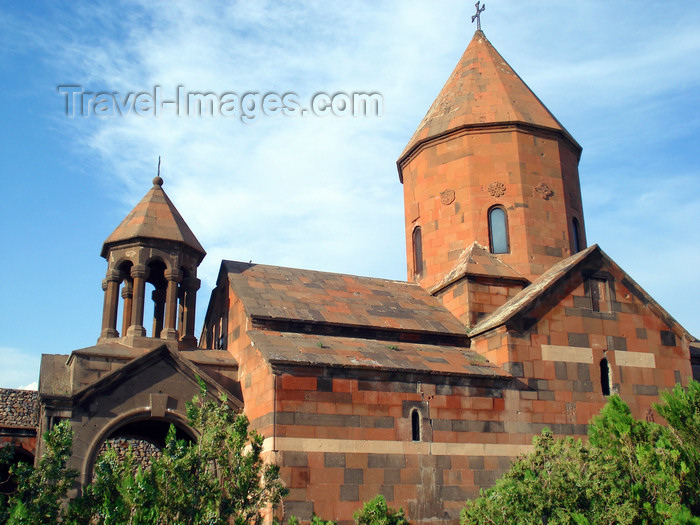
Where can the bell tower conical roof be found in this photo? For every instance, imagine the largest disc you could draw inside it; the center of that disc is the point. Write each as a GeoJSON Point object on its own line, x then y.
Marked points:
{"type": "Point", "coordinates": [482, 90]}
{"type": "Point", "coordinates": [154, 217]}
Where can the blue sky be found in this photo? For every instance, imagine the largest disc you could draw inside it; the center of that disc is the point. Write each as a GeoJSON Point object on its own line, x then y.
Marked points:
{"type": "Point", "coordinates": [320, 192]}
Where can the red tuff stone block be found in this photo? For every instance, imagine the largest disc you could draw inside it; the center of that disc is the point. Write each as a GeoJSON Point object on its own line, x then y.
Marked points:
{"type": "Point", "coordinates": [298, 383]}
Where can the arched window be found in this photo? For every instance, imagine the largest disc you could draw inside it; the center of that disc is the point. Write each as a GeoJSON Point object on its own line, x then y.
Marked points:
{"type": "Point", "coordinates": [498, 230]}
{"type": "Point", "coordinates": [415, 425]}
{"type": "Point", "coordinates": [576, 230]}
{"type": "Point", "coordinates": [605, 376]}
{"type": "Point", "coordinates": [417, 251]}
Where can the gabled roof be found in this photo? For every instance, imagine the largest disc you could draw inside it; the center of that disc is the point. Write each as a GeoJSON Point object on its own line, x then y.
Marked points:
{"type": "Point", "coordinates": [126, 372]}
{"type": "Point", "coordinates": [297, 349]}
{"type": "Point", "coordinates": [155, 217]}
{"type": "Point", "coordinates": [483, 90]}
{"type": "Point", "coordinates": [477, 261]}
{"type": "Point", "coordinates": [116, 350]}
{"type": "Point", "coordinates": [271, 293]}
{"type": "Point", "coordinates": [531, 296]}
{"type": "Point", "coordinates": [528, 296]}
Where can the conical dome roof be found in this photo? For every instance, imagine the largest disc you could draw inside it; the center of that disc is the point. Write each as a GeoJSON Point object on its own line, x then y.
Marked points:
{"type": "Point", "coordinates": [483, 90]}
{"type": "Point", "coordinates": [155, 217]}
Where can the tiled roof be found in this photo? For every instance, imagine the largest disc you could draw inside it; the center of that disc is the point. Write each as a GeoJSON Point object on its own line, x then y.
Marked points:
{"type": "Point", "coordinates": [119, 351]}
{"type": "Point", "coordinates": [477, 261]}
{"type": "Point", "coordinates": [483, 89]}
{"type": "Point", "coordinates": [289, 294]}
{"type": "Point", "coordinates": [18, 408]}
{"type": "Point", "coordinates": [155, 217]}
{"type": "Point", "coordinates": [125, 373]}
{"type": "Point", "coordinates": [349, 352]}
{"type": "Point", "coordinates": [529, 295]}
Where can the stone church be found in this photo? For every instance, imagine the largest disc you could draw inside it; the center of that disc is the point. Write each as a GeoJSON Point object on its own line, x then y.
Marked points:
{"type": "Point", "coordinates": [422, 390]}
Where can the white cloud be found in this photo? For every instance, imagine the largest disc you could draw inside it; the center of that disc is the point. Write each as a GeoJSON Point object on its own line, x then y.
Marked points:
{"type": "Point", "coordinates": [323, 192]}
{"type": "Point", "coordinates": [18, 368]}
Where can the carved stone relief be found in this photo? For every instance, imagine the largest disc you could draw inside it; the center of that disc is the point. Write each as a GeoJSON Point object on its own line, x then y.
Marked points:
{"type": "Point", "coordinates": [447, 197]}
{"type": "Point", "coordinates": [497, 189]}
{"type": "Point", "coordinates": [542, 191]}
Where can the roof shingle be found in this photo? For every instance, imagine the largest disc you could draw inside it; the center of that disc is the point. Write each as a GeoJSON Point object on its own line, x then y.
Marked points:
{"type": "Point", "coordinates": [350, 352]}
{"type": "Point", "coordinates": [483, 89]}
{"type": "Point", "coordinates": [290, 294]}
{"type": "Point", "coordinates": [154, 217]}
{"type": "Point", "coordinates": [479, 262]}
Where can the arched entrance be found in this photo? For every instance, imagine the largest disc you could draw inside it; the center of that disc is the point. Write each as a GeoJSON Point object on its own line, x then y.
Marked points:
{"type": "Point", "coordinates": [146, 435]}
{"type": "Point", "coordinates": [19, 455]}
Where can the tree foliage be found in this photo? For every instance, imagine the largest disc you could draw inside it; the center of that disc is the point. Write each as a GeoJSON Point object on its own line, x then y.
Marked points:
{"type": "Point", "coordinates": [377, 512]}
{"type": "Point", "coordinates": [40, 490]}
{"type": "Point", "coordinates": [374, 512]}
{"type": "Point", "coordinates": [219, 479]}
{"type": "Point", "coordinates": [629, 472]}
{"type": "Point", "coordinates": [315, 520]}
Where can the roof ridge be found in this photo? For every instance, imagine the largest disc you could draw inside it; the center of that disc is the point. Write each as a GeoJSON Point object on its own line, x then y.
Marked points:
{"type": "Point", "coordinates": [516, 303]}
{"type": "Point", "coordinates": [326, 272]}
{"type": "Point", "coordinates": [465, 265]}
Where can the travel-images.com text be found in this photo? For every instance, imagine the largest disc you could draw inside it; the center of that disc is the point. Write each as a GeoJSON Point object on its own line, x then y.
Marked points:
{"type": "Point", "coordinates": [249, 107]}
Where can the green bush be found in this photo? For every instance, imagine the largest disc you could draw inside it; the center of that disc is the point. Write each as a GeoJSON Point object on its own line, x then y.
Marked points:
{"type": "Point", "coordinates": [218, 480]}
{"type": "Point", "coordinates": [629, 472]}
{"type": "Point", "coordinates": [377, 512]}
{"type": "Point", "coordinates": [37, 499]}
{"type": "Point", "coordinates": [315, 520]}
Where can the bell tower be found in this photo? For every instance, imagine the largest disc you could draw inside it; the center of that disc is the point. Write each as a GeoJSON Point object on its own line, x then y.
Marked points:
{"type": "Point", "coordinates": [489, 164]}
{"type": "Point", "coordinates": [153, 244]}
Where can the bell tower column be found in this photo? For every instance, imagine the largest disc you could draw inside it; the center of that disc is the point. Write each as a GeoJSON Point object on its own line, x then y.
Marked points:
{"type": "Point", "coordinates": [139, 275]}
{"type": "Point", "coordinates": [191, 285]}
{"type": "Point", "coordinates": [170, 331]}
{"type": "Point", "coordinates": [127, 296]}
{"type": "Point", "coordinates": [110, 285]}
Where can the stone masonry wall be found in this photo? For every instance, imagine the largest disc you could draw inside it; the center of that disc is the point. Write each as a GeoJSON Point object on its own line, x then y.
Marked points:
{"type": "Point", "coordinates": [18, 408]}
{"type": "Point", "coordinates": [343, 440]}
{"type": "Point", "coordinates": [560, 357]}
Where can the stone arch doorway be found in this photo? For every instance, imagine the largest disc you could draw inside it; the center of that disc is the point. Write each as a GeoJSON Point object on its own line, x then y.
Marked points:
{"type": "Point", "coordinates": [141, 431]}
{"type": "Point", "coordinates": [19, 455]}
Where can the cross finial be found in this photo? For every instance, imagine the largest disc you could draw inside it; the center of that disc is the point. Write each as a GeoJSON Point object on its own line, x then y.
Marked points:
{"type": "Point", "coordinates": [477, 16]}
{"type": "Point", "coordinates": [157, 180]}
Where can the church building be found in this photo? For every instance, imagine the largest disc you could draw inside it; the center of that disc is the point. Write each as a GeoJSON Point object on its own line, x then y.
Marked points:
{"type": "Point", "coordinates": [422, 390]}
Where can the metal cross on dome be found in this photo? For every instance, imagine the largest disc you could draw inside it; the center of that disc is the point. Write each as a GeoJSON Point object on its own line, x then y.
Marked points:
{"type": "Point", "coordinates": [477, 16]}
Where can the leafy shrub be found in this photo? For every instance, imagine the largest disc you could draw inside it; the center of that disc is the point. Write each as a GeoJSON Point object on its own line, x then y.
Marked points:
{"type": "Point", "coordinates": [630, 471]}
{"type": "Point", "coordinates": [377, 512]}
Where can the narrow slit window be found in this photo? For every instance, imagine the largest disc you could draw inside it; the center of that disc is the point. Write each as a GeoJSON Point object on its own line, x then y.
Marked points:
{"type": "Point", "coordinates": [498, 230]}
{"type": "Point", "coordinates": [605, 376]}
{"type": "Point", "coordinates": [576, 230]}
{"type": "Point", "coordinates": [415, 425]}
{"type": "Point", "coordinates": [417, 251]}
{"type": "Point", "coordinates": [599, 295]}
